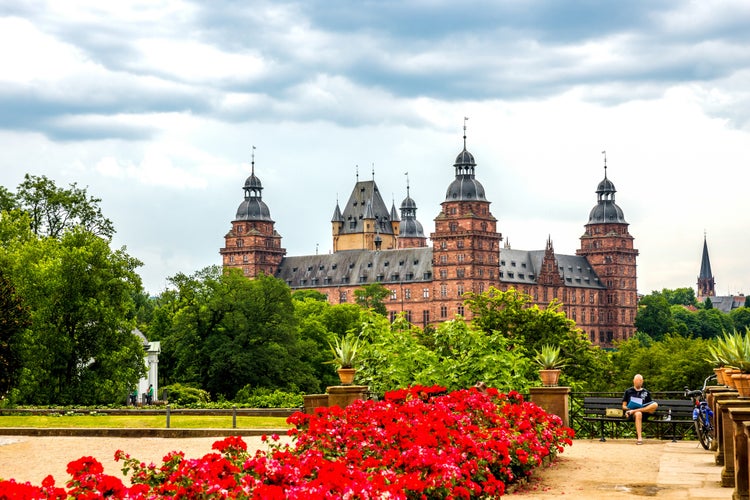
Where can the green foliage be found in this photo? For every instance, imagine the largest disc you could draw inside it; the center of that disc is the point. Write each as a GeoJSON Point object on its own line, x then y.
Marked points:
{"type": "Point", "coordinates": [371, 297]}
{"type": "Point", "coordinates": [548, 358]}
{"type": "Point", "coordinates": [14, 318]}
{"type": "Point", "coordinates": [302, 295]}
{"type": "Point", "coordinates": [344, 351]}
{"type": "Point", "coordinates": [180, 394]}
{"type": "Point", "coordinates": [262, 397]}
{"type": "Point", "coordinates": [456, 357]}
{"type": "Point", "coordinates": [79, 347]}
{"type": "Point", "coordinates": [654, 316]}
{"type": "Point", "coordinates": [666, 365]}
{"type": "Point", "coordinates": [740, 318]}
{"type": "Point", "coordinates": [54, 210]}
{"type": "Point", "coordinates": [678, 296]}
{"type": "Point", "coordinates": [529, 327]}
{"type": "Point", "coordinates": [707, 304]}
{"type": "Point", "coordinates": [222, 331]}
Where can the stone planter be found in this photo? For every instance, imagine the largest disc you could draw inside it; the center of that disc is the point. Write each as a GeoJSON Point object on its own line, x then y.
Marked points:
{"type": "Point", "coordinates": [741, 382]}
{"type": "Point", "coordinates": [346, 375]}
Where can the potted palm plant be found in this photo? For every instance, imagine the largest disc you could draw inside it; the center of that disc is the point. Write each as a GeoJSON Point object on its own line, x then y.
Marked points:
{"type": "Point", "coordinates": [551, 363]}
{"type": "Point", "coordinates": [344, 352]}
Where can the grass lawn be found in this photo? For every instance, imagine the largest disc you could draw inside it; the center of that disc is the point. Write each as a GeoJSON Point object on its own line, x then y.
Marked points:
{"type": "Point", "coordinates": [143, 421]}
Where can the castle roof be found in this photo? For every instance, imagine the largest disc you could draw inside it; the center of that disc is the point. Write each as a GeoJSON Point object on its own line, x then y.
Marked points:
{"type": "Point", "coordinates": [523, 267]}
{"type": "Point", "coordinates": [365, 202]}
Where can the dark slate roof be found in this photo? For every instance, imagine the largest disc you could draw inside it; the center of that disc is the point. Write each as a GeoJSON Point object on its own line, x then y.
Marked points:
{"type": "Point", "coordinates": [606, 210]}
{"type": "Point", "coordinates": [365, 201]}
{"type": "Point", "coordinates": [352, 267]}
{"type": "Point", "coordinates": [523, 266]}
{"type": "Point", "coordinates": [727, 303]}
{"type": "Point", "coordinates": [411, 228]}
{"type": "Point", "coordinates": [705, 272]}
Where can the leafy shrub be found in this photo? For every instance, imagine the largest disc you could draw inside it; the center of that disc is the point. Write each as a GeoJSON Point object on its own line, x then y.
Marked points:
{"type": "Point", "coordinates": [262, 397]}
{"type": "Point", "coordinates": [184, 395]}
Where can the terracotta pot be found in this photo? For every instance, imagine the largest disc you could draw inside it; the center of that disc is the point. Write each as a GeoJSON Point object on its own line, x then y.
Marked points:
{"type": "Point", "coordinates": [728, 372]}
{"type": "Point", "coordinates": [346, 375]}
{"type": "Point", "coordinates": [742, 384]}
{"type": "Point", "coordinates": [719, 375]}
{"type": "Point", "coordinates": [549, 377]}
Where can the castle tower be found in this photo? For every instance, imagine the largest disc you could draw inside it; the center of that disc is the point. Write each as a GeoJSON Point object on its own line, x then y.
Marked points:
{"type": "Point", "coordinates": [705, 278]}
{"type": "Point", "coordinates": [253, 244]}
{"type": "Point", "coordinates": [365, 223]}
{"type": "Point", "coordinates": [549, 275]}
{"type": "Point", "coordinates": [608, 247]}
{"type": "Point", "coordinates": [465, 242]}
{"type": "Point", "coordinates": [411, 234]}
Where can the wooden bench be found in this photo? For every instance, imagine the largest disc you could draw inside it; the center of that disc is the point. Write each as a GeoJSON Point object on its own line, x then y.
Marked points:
{"type": "Point", "coordinates": [672, 419]}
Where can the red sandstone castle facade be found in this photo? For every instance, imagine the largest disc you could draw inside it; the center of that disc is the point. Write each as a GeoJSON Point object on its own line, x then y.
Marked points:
{"type": "Point", "coordinates": [372, 244]}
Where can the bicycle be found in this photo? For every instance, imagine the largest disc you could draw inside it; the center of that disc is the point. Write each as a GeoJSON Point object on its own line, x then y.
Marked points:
{"type": "Point", "coordinates": [702, 414]}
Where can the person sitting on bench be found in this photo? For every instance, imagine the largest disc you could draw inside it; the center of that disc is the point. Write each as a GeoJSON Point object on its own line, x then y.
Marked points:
{"type": "Point", "coordinates": [638, 405]}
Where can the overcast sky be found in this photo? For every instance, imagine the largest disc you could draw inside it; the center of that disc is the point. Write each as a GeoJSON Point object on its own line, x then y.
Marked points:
{"type": "Point", "coordinates": [154, 107]}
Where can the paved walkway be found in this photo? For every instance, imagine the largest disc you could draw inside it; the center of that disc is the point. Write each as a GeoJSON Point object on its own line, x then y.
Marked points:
{"type": "Point", "coordinates": [617, 468]}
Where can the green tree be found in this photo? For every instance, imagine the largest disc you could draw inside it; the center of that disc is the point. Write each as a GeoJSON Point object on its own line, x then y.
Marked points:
{"type": "Point", "coordinates": [707, 304]}
{"type": "Point", "coordinates": [222, 331]}
{"type": "Point", "coordinates": [79, 347]}
{"type": "Point", "coordinates": [372, 296]}
{"type": "Point", "coordinates": [529, 327]}
{"type": "Point", "coordinates": [654, 316]}
{"type": "Point", "coordinates": [14, 318]}
{"type": "Point", "coordinates": [740, 318]}
{"type": "Point", "coordinates": [678, 296]}
{"type": "Point", "coordinates": [54, 210]}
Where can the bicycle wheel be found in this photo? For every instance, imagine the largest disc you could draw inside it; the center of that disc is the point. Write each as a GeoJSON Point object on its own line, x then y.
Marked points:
{"type": "Point", "coordinates": [703, 432]}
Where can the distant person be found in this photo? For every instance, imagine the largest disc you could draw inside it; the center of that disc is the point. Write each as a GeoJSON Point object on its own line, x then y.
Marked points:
{"type": "Point", "coordinates": [150, 394]}
{"type": "Point", "coordinates": [638, 405]}
{"type": "Point", "coordinates": [134, 397]}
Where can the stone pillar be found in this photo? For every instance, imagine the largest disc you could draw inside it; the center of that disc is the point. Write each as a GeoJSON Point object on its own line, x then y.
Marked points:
{"type": "Point", "coordinates": [727, 439]}
{"type": "Point", "coordinates": [553, 400]}
{"type": "Point", "coordinates": [741, 487]}
{"type": "Point", "coordinates": [718, 399]}
{"type": "Point", "coordinates": [313, 401]}
{"type": "Point", "coordinates": [343, 395]}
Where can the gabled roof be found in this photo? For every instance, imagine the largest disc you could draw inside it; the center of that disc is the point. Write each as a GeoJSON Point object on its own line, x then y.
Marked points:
{"type": "Point", "coordinates": [523, 267]}
{"type": "Point", "coordinates": [365, 202]}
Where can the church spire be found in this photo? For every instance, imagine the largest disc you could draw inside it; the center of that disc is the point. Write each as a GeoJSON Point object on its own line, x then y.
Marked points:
{"type": "Point", "coordinates": [706, 282]}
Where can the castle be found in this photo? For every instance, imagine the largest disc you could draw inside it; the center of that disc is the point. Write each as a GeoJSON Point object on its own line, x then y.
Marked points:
{"type": "Point", "coordinates": [372, 244]}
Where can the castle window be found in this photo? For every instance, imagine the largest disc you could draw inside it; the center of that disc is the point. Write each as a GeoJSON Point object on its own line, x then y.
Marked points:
{"type": "Point", "coordinates": [363, 278]}
{"type": "Point", "coordinates": [443, 312]}
{"type": "Point", "coordinates": [460, 290]}
{"type": "Point", "coordinates": [511, 275]}
{"type": "Point", "coordinates": [407, 315]}
{"type": "Point", "coordinates": [385, 264]}
{"type": "Point", "coordinates": [460, 310]}
{"type": "Point", "coordinates": [289, 283]}
{"type": "Point", "coordinates": [351, 266]}
{"type": "Point", "coordinates": [523, 265]}
{"type": "Point", "coordinates": [460, 244]}
{"type": "Point", "coordinates": [443, 245]}
{"type": "Point", "coordinates": [443, 291]}
{"type": "Point", "coordinates": [369, 264]}
{"type": "Point", "coordinates": [512, 263]}
{"type": "Point", "coordinates": [394, 295]}
{"type": "Point", "coordinates": [443, 259]}
{"type": "Point", "coordinates": [334, 266]}
{"type": "Point", "coordinates": [244, 258]}
{"type": "Point", "coordinates": [392, 316]}
{"type": "Point", "coordinates": [453, 227]}
{"type": "Point", "coordinates": [342, 297]}
{"type": "Point", "coordinates": [427, 275]}
{"type": "Point", "coordinates": [521, 276]}
{"type": "Point", "coordinates": [502, 262]}
{"type": "Point", "coordinates": [231, 259]}
{"type": "Point", "coordinates": [459, 273]}
{"type": "Point", "coordinates": [345, 279]}
{"type": "Point", "coordinates": [303, 282]}
{"type": "Point", "coordinates": [426, 293]}
{"type": "Point", "coordinates": [481, 287]}
{"type": "Point", "coordinates": [401, 263]}
{"type": "Point", "coordinates": [407, 294]}
{"type": "Point", "coordinates": [409, 276]}
{"type": "Point", "coordinates": [425, 317]}
{"type": "Point", "coordinates": [326, 280]}
{"type": "Point", "coordinates": [379, 277]}
{"type": "Point", "coordinates": [309, 268]}
{"type": "Point", "coordinates": [239, 243]}
{"type": "Point", "coordinates": [395, 277]}
{"type": "Point", "coordinates": [353, 224]}
{"type": "Point", "coordinates": [502, 274]}
{"type": "Point", "coordinates": [443, 274]}
{"type": "Point", "coordinates": [321, 268]}
{"type": "Point", "coordinates": [416, 261]}
{"type": "Point", "coordinates": [460, 257]}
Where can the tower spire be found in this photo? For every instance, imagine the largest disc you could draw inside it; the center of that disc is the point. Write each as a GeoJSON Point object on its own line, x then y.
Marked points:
{"type": "Point", "coordinates": [252, 161]}
{"type": "Point", "coordinates": [605, 163]}
{"type": "Point", "coordinates": [466, 118]}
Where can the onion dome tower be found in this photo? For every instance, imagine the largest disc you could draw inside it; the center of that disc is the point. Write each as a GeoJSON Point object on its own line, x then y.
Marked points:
{"type": "Point", "coordinates": [608, 247]}
{"type": "Point", "coordinates": [411, 233]}
{"type": "Point", "coordinates": [466, 243]}
{"type": "Point", "coordinates": [253, 244]}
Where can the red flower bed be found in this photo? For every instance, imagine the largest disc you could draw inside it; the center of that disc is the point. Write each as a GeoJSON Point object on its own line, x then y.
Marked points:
{"type": "Point", "coordinates": [418, 443]}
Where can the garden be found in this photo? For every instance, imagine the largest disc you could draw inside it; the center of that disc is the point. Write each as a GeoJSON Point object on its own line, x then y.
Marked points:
{"type": "Point", "coordinates": [420, 442]}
